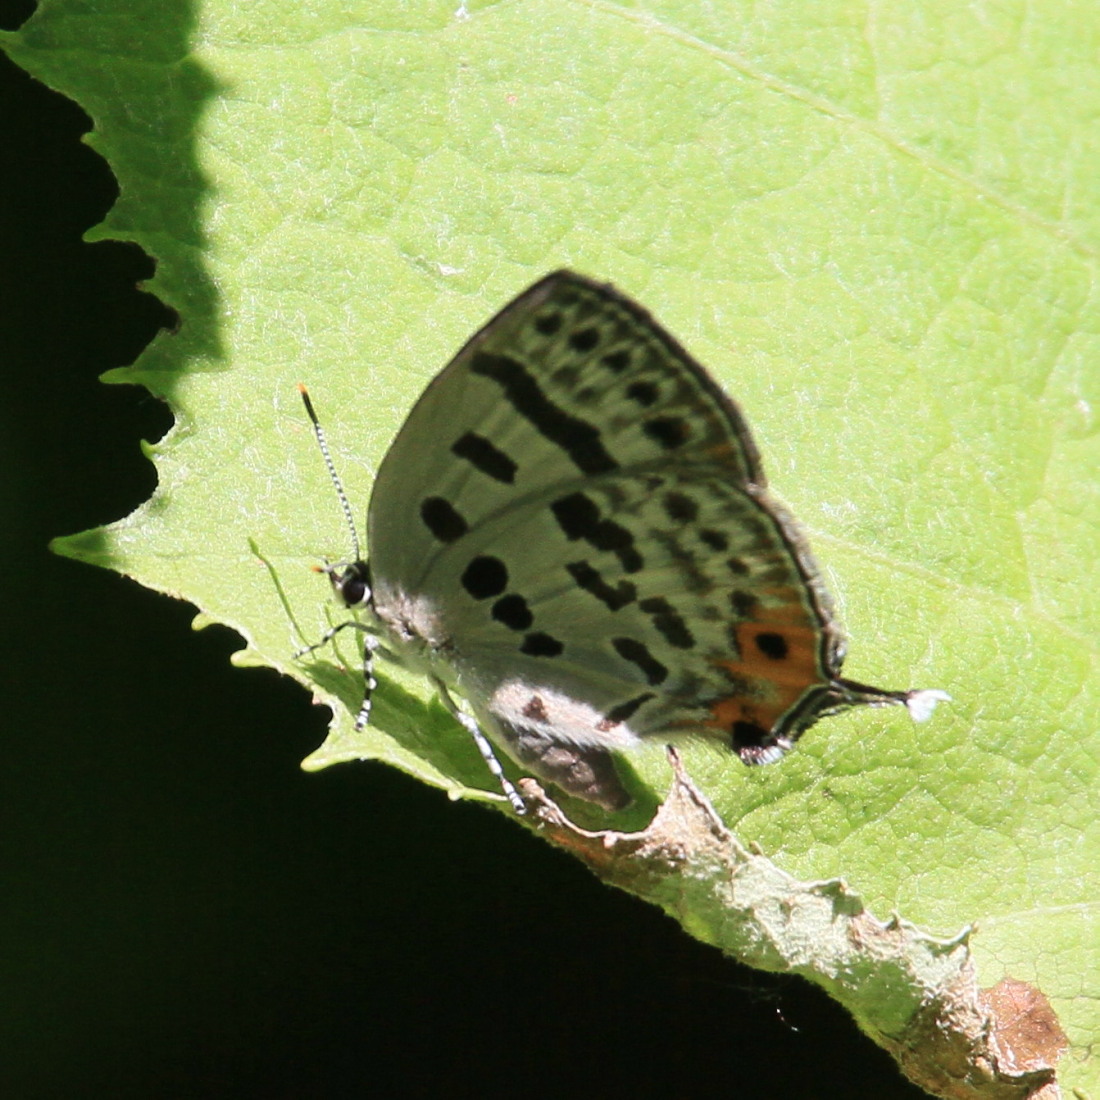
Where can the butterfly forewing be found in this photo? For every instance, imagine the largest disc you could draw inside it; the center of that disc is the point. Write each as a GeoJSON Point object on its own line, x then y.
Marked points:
{"type": "Point", "coordinates": [569, 382]}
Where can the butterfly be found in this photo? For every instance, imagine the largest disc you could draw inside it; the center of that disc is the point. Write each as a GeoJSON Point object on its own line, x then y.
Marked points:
{"type": "Point", "coordinates": [572, 533]}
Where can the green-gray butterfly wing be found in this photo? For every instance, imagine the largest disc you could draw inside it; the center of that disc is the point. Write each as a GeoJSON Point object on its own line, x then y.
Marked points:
{"type": "Point", "coordinates": [571, 529]}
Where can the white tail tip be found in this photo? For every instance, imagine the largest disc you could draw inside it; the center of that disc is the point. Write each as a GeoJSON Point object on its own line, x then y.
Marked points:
{"type": "Point", "coordinates": [920, 704]}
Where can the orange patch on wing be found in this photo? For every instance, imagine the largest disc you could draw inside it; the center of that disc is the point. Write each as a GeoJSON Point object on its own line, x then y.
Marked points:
{"type": "Point", "coordinates": [778, 657]}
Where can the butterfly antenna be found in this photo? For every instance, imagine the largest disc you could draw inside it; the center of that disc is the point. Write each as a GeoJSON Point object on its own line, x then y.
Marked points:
{"type": "Point", "coordinates": [337, 484]}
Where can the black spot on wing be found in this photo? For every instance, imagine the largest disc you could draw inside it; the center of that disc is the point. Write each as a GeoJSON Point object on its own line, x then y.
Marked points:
{"type": "Point", "coordinates": [749, 735]}
{"type": "Point", "coordinates": [637, 653]}
{"type": "Point", "coordinates": [742, 604]}
{"type": "Point", "coordinates": [548, 323]}
{"type": "Point", "coordinates": [773, 646]}
{"type": "Point", "coordinates": [584, 339]}
{"type": "Point", "coordinates": [538, 644]}
{"type": "Point", "coordinates": [485, 457]}
{"type": "Point", "coordinates": [668, 621]}
{"type": "Point", "coordinates": [484, 577]}
{"type": "Point", "coordinates": [613, 597]}
{"type": "Point", "coordinates": [513, 612]}
{"type": "Point", "coordinates": [680, 508]}
{"type": "Point", "coordinates": [622, 711]}
{"type": "Point", "coordinates": [643, 393]}
{"type": "Point", "coordinates": [578, 516]}
{"type": "Point", "coordinates": [576, 437]}
{"type": "Point", "coordinates": [441, 518]}
{"type": "Point", "coordinates": [716, 540]}
{"type": "Point", "coordinates": [669, 432]}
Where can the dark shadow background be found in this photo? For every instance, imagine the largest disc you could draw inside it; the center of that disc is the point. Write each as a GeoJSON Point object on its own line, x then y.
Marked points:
{"type": "Point", "coordinates": [184, 913]}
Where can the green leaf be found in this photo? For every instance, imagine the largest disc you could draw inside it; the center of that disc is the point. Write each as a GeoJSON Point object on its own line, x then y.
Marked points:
{"type": "Point", "coordinates": [879, 229]}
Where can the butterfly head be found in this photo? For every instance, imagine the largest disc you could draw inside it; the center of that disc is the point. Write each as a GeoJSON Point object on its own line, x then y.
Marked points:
{"type": "Point", "coordinates": [350, 581]}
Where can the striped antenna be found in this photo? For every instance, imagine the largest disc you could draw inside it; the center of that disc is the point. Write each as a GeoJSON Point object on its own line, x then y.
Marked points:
{"type": "Point", "coordinates": [338, 485]}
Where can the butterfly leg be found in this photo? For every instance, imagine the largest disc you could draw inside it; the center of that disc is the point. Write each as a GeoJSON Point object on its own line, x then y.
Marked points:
{"type": "Point", "coordinates": [471, 726]}
{"type": "Point", "coordinates": [370, 644]}
{"type": "Point", "coordinates": [328, 636]}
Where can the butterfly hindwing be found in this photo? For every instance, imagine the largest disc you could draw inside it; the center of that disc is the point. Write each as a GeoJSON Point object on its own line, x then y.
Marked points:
{"type": "Point", "coordinates": [639, 605]}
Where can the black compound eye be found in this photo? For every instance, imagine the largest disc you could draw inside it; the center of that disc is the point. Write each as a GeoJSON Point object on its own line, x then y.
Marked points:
{"type": "Point", "coordinates": [352, 586]}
